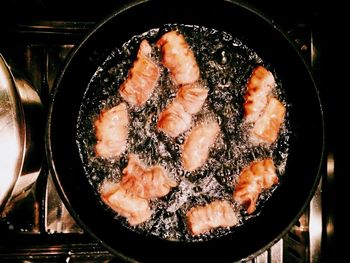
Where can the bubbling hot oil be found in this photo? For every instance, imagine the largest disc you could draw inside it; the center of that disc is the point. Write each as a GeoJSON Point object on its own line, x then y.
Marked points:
{"type": "Point", "coordinates": [225, 64]}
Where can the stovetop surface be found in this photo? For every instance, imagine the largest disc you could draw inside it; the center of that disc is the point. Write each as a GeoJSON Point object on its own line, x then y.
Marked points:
{"type": "Point", "coordinates": [45, 36]}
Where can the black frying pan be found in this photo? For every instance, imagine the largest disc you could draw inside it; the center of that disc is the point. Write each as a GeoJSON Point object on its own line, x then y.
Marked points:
{"type": "Point", "coordinates": [306, 144]}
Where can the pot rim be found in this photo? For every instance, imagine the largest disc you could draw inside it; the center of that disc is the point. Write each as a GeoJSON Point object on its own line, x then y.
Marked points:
{"type": "Point", "coordinates": [12, 133]}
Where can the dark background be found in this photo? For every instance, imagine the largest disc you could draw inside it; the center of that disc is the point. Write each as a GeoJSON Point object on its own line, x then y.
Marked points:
{"type": "Point", "coordinates": [328, 21]}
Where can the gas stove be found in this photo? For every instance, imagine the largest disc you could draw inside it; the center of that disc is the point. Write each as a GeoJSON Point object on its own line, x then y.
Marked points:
{"type": "Point", "coordinates": [37, 227]}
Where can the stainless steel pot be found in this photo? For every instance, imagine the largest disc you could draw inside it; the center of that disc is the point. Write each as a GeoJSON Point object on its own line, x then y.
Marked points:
{"type": "Point", "coordinates": [21, 136]}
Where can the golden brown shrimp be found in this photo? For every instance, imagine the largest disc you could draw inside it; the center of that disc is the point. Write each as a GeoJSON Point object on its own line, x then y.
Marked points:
{"type": "Point", "coordinates": [254, 178]}
{"type": "Point", "coordinates": [174, 120]}
{"type": "Point", "coordinates": [192, 97]}
{"type": "Point", "coordinates": [135, 209]}
{"type": "Point", "coordinates": [178, 58]}
{"type": "Point", "coordinates": [147, 183]}
{"type": "Point", "coordinates": [142, 77]}
{"type": "Point", "coordinates": [198, 143]}
{"type": "Point", "coordinates": [259, 88]}
{"type": "Point", "coordinates": [202, 219]}
{"type": "Point", "coordinates": [112, 131]}
{"type": "Point", "coordinates": [267, 126]}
